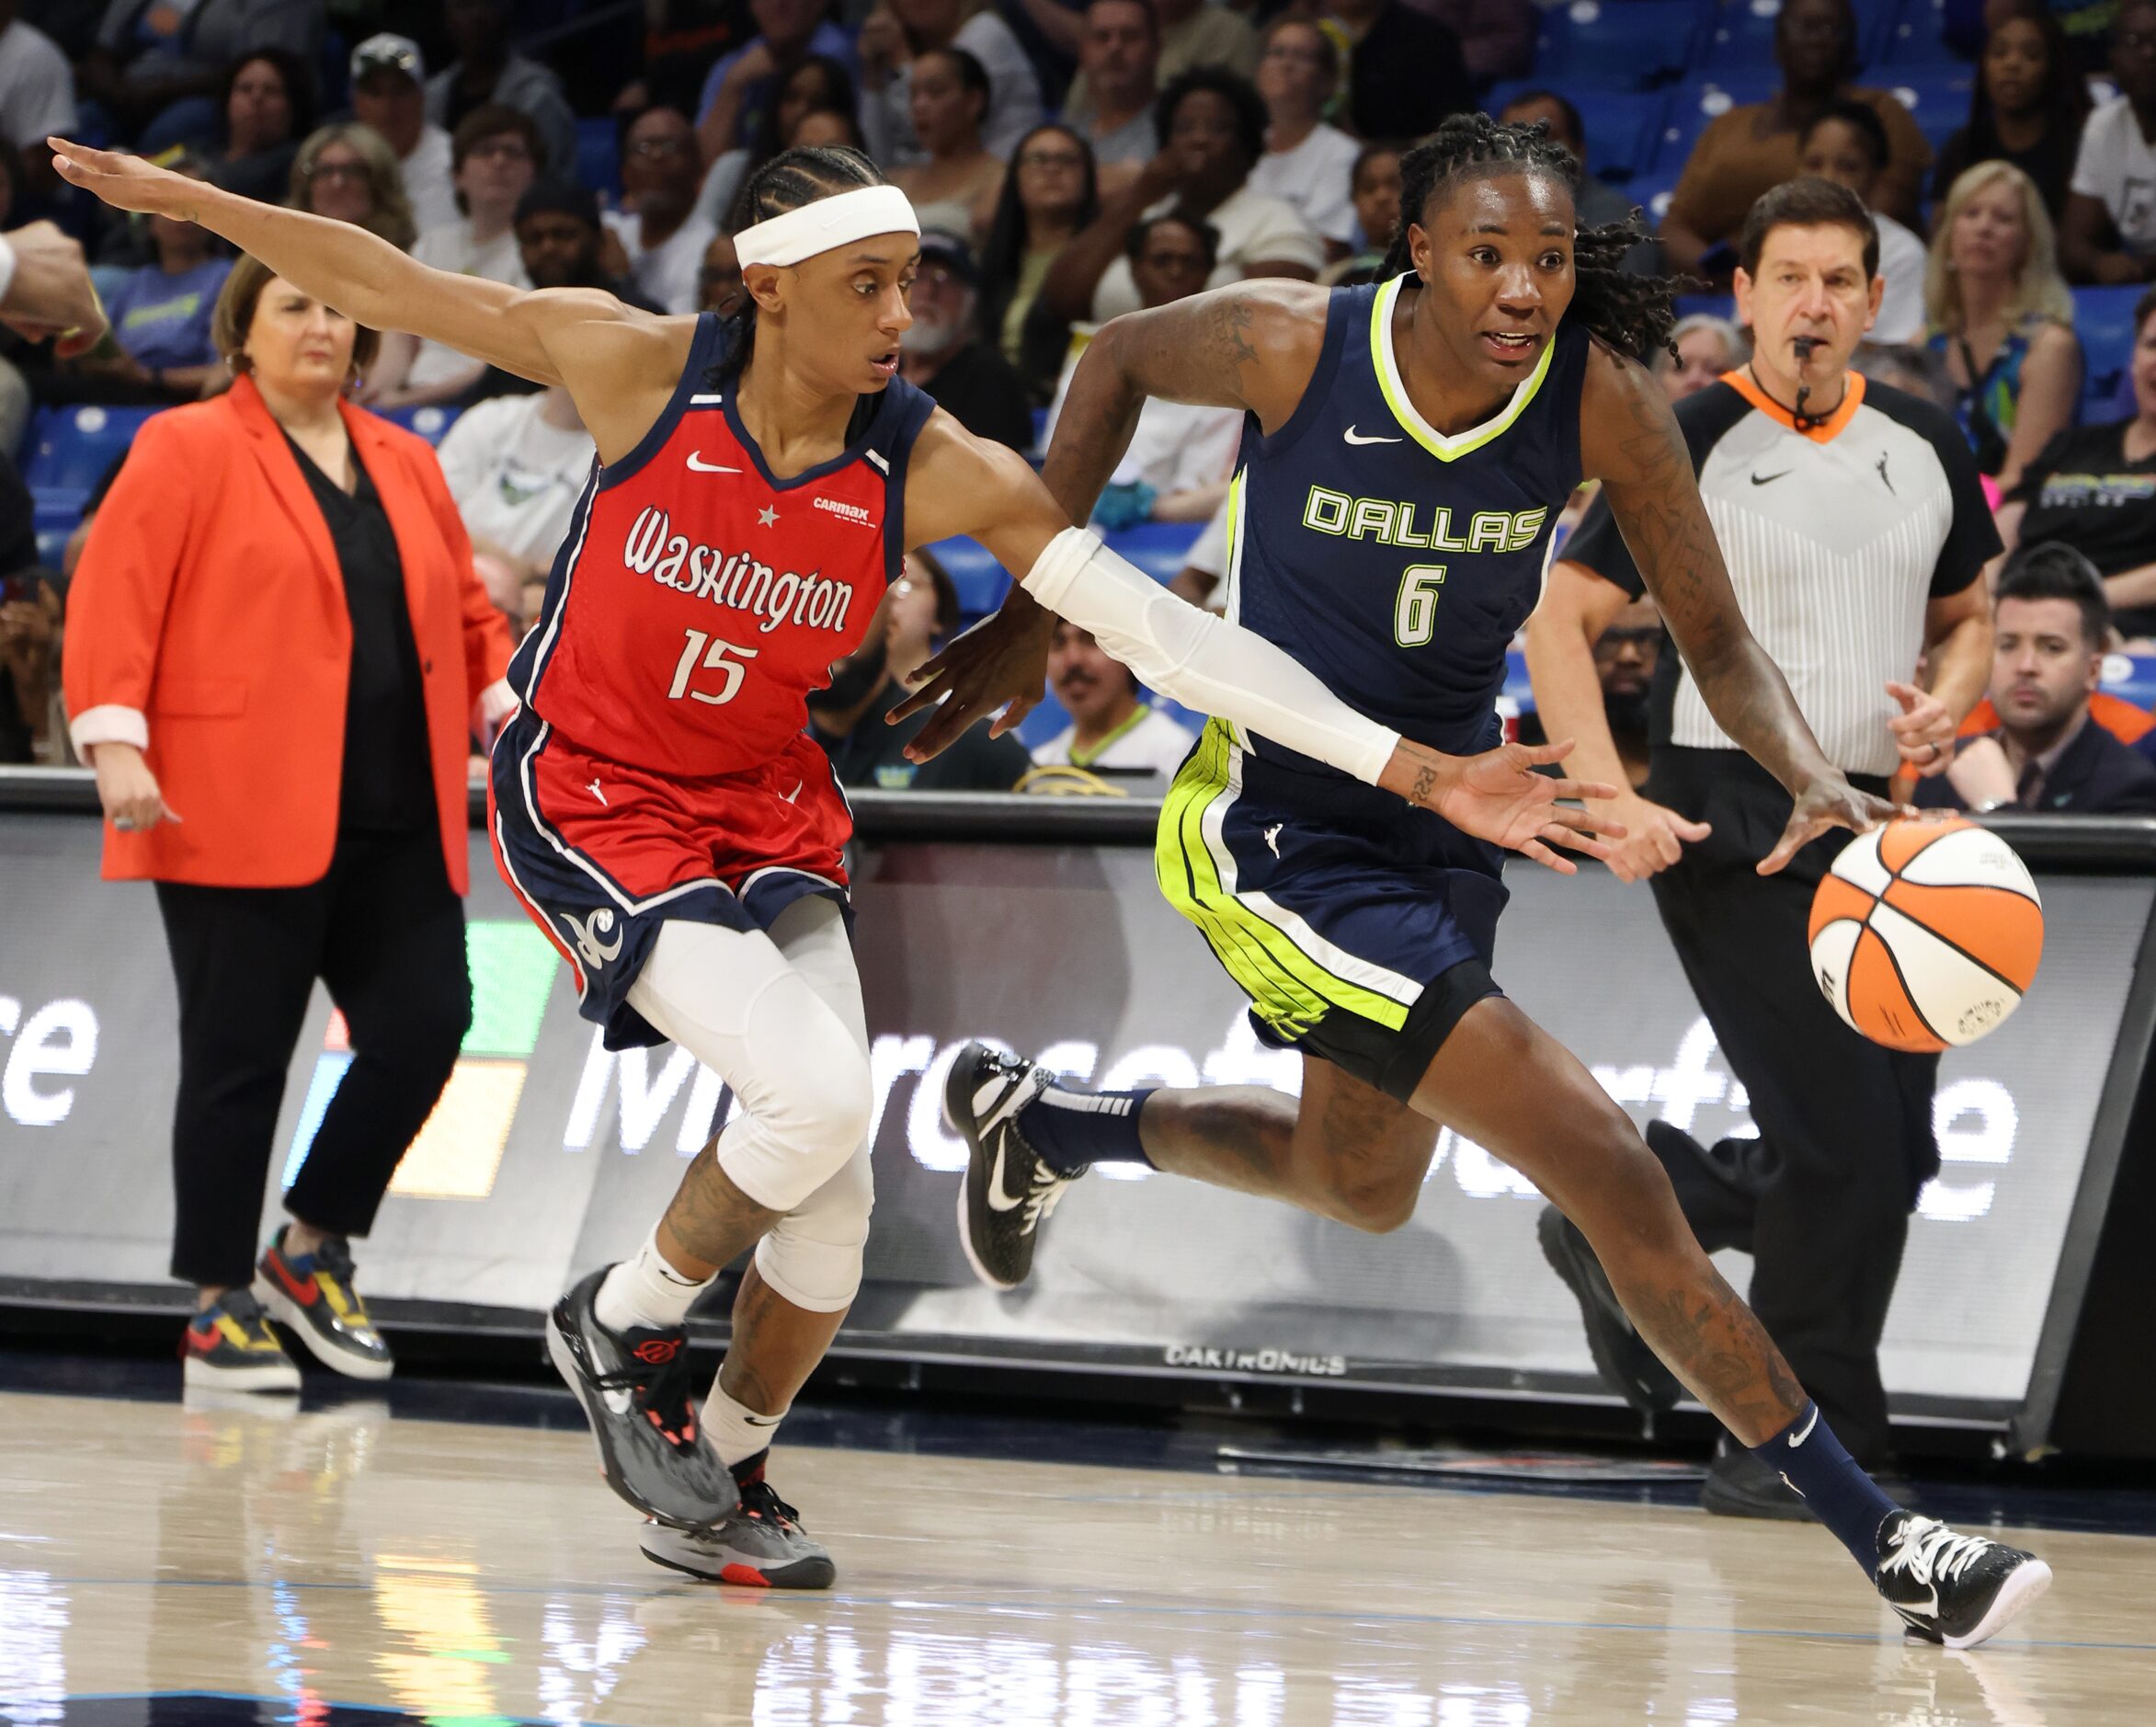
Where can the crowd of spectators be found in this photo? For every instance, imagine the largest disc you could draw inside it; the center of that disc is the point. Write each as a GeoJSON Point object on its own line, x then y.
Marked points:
{"type": "Point", "coordinates": [1071, 160]}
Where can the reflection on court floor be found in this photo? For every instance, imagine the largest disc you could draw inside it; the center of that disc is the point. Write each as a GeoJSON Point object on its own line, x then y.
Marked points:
{"type": "Point", "coordinates": [169, 1566]}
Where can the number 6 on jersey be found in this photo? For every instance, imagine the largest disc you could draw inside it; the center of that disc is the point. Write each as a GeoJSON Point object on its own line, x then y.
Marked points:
{"type": "Point", "coordinates": [1414, 616]}
{"type": "Point", "coordinates": [731, 672]}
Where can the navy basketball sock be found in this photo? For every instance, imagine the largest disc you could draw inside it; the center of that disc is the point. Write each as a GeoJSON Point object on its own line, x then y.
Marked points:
{"type": "Point", "coordinates": [1807, 1455]}
{"type": "Point", "coordinates": [1072, 1130]}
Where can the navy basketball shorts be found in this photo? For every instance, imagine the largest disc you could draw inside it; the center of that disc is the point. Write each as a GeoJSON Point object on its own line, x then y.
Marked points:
{"type": "Point", "coordinates": [602, 855]}
{"type": "Point", "coordinates": [1360, 929]}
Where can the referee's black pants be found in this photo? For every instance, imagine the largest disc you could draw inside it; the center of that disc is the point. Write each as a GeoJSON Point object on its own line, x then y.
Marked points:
{"type": "Point", "coordinates": [1847, 1126]}
{"type": "Point", "coordinates": [385, 932]}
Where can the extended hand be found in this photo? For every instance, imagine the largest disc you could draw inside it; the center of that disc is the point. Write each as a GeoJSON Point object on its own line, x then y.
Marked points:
{"type": "Point", "coordinates": [1655, 838]}
{"type": "Point", "coordinates": [1923, 730]}
{"type": "Point", "coordinates": [50, 293]}
{"type": "Point", "coordinates": [127, 182]}
{"type": "Point", "coordinates": [1829, 801]}
{"type": "Point", "coordinates": [1001, 664]}
{"type": "Point", "coordinates": [1499, 797]}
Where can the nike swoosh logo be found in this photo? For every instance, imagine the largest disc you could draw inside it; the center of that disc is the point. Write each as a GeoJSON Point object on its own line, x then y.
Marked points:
{"type": "Point", "coordinates": [1918, 1614]}
{"type": "Point", "coordinates": [1757, 479]}
{"type": "Point", "coordinates": [698, 465]}
{"type": "Point", "coordinates": [1797, 1439]}
{"type": "Point", "coordinates": [997, 1199]}
{"type": "Point", "coordinates": [1354, 437]}
{"type": "Point", "coordinates": [763, 1421]}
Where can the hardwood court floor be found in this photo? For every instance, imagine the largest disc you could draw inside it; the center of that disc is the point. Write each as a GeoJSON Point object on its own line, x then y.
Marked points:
{"type": "Point", "coordinates": [481, 1574]}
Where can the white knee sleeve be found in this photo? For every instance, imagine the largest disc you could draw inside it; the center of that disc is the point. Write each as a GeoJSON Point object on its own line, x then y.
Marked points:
{"type": "Point", "coordinates": [800, 1065]}
{"type": "Point", "coordinates": [812, 1257]}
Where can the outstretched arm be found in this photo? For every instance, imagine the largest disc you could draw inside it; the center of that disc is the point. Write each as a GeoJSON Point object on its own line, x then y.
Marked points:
{"type": "Point", "coordinates": [609, 355]}
{"type": "Point", "coordinates": [957, 484]}
{"type": "Point", "coordinates": [1631, 442]}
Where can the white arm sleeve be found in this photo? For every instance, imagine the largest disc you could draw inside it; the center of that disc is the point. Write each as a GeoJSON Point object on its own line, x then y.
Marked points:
{"type": "Point", "coordinates": [1204, 661]}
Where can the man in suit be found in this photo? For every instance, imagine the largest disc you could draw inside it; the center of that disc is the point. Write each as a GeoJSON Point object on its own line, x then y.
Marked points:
{"type": "Point", "coordinates": [2052, 621]}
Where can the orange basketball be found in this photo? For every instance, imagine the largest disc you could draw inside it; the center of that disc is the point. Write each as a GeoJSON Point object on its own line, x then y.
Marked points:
{"type": "Point", "coordinates": [1926, 934]}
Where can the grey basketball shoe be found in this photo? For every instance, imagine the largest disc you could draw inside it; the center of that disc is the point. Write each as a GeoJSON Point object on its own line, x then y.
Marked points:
{"type": "Point", "coordinates": [1008, 1191]}
{"type": "Point", "coordinates": [635, 1388]}
{"type": "Point", "coordinates": [761, 1545]}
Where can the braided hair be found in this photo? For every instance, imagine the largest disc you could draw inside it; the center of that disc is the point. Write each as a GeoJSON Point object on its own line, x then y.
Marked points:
{"type": "Point", "coordinates": [1632, 313]}
{"type": "Point", "coordinates": [802, 175]}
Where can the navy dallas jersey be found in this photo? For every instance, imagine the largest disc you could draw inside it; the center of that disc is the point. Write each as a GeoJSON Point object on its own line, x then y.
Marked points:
{"type": "Point", "coordinates": [1396, 563]}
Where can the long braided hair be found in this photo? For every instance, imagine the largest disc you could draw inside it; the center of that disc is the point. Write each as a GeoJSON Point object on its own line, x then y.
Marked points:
{"type": "Point", "coordinates": [802, 175]}
{"type": "Point", "coordinates": [1632, 313]}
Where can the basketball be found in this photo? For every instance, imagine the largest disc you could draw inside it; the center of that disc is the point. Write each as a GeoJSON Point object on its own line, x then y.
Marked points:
{"type": "Point", "coordinates": [1926, 934]}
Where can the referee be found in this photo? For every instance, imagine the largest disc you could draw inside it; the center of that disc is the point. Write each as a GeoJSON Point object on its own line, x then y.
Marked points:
{"type": "Point", "coordinates": [1856, 531]}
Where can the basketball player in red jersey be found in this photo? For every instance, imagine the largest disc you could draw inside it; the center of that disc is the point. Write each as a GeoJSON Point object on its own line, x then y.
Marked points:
{"type": "Point", "coordinates": [656, 806]}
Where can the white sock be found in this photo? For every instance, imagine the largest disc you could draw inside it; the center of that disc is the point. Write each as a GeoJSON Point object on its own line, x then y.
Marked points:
{"type": "Point", "coordinates": [645, 1293]}
{"type": "Point", "coordinates": [737, 1430]}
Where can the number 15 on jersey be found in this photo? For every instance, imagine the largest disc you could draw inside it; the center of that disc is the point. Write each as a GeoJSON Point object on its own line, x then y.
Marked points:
{"type": "Point", "coordinates": [723, 658]}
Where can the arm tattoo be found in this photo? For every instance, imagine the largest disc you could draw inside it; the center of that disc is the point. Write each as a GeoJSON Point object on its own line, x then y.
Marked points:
{"type": "Point", "coordinates": [1425, 782]}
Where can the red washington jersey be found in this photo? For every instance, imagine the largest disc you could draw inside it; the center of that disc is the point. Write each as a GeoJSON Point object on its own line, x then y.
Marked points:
{"type": "Point", "coordinates": [696, 600]}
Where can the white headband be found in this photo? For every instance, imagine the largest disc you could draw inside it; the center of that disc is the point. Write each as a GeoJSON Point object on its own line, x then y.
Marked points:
{"type": "Point", "coordinates": [828, 224]}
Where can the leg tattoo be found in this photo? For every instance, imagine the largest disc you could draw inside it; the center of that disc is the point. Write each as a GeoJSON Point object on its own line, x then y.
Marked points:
{"type": "Point", "coordinates": [710, 1222]}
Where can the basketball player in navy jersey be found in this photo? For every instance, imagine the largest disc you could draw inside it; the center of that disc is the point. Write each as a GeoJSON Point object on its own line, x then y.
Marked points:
{"type": "Point", "coordinates": [1406, 449]}
{"type": "Point", "coordinates": [660, 813]}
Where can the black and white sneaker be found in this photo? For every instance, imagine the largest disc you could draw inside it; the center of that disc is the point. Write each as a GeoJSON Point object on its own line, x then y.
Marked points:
{"type": "Point", "coordinates": [1954, 1589]}
{"type": "Point", "coordinates": [635, 1388]}
{"type": "Point", "coordinates": [761, 1545]}
{"type": "Point", "coordinates": [1009, 1190]}
{"type": "Point", "coordinates": [1619, 1351]}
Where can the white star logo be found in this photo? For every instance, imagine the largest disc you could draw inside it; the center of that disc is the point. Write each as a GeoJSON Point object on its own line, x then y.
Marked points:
{"type": "Point", "coordinates": [768, 516]}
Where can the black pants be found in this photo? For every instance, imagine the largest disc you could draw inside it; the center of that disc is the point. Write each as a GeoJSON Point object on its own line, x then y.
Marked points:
{"type": "Point", "coordinates": [1846, 1124]}
{"type": "Point", "coordinates": [385, 932]}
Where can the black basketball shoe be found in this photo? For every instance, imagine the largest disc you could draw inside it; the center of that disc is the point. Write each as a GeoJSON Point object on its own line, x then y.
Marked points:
{"type": "Point", "coordinates": [1620, 1352]}
{"type": "Point", "coordinates": [761, 1545]}
{"type": "Point", "coordinates": [1009, 1190]}
{"type": "Point", "coordinates": [635, 1388]}
{"type": "Point", "coordinates": [1954, 1589]}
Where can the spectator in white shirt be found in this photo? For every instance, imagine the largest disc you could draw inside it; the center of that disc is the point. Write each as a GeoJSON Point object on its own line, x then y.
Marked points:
{"type": "Point", "coordinates": [1846, 142]}
{"type": "Point", "coordinates": [898, 30]}
{"type": "Point", "coordinates": [660, 230]}
{"type": "Point", "coordinates": [1110, 104]}
{"type": "Point", "coordinates": [1111, 729]}
{"type": "Point", "coordinates": [389, 92]}
{"type": "Point", "coordinates": [496, 153]}
{"type": "Point", "coordinates": [1212, 130]}
{"type": "Point", "coordinates": [36, 92]}
{"type": "Point", "coordinates": [516, 465]}
{"type": "Point", "coordinates": [1306, 162]}
{"type": "Point", "coordinates": [2108, 233]}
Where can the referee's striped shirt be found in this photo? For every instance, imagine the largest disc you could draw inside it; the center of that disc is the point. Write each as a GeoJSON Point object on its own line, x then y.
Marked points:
{"type": "Point", "coordinates": [1835, 537]}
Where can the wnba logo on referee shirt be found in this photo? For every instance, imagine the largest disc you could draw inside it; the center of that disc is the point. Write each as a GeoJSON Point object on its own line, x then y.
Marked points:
{"type": "Point", "coordinates": [734, 582]}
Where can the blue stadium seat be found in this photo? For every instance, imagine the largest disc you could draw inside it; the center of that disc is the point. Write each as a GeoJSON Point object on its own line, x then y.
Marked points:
{"type": "Point", "coordinates": [1624, 127]}
{"type": "Point", "coordinates": [67, 452]}
{"type": "Point", "coordinates": [2104, 320]}
{"type": "Point", "coordinates": [598, 157]}
{"type": "Point", "coordinates": [1937, 96]}
{"type": "Point", "coordinates": [1741, 36]}
{"type": "Point", "coordinates": [1159, 548]}
{"type": "Point", "coordinates": [981, 581]}
{"type": "Point", "coordinates": [2131, 678]}
{"type": "Point", "coordinates": [1918, 38]}
{"type": "Point", "coordinates": [1622, 45]}
{"type": "Point", "coordinates": [1693, 107]}
{"type": "Point", "coordinates": [431, 423]}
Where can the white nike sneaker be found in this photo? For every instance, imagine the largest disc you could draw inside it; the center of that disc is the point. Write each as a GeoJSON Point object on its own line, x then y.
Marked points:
{"type": "Point", "coordinates": [1954, 1589]}
{"type": "Point", "coordinates": [1008, 1191]}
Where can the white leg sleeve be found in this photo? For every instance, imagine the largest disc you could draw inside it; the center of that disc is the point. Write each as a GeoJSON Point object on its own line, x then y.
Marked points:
{"type": "Point", "coordinates": [1204, 661]}
{"type": "Point", "coordinates": [735, 1001]}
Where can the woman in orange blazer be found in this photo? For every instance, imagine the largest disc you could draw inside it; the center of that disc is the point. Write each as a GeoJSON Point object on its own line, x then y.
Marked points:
{"type": "Point", "coordinates": [276, 653]}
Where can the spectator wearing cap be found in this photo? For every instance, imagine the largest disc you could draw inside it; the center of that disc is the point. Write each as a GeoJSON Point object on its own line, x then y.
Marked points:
{"type": "Point", "coordinates": [1846, 144]}
{"type": "Point", "coordinates": [1406, 72]}
{"type": "Point", "coordinates": [1212, 132]}
{"type": "Point", "coordinates": [744, 86]}
{"type": "Point", "coordinates": [268, 107]}
{"type": "Point", "coordinates": [2050, 624]}
{"type": "Point", "coordinates": [162, 349]}
{"type": "Point", "coordinates": [943, 352]}
{"type": "Point", "coordinates": [1111, 729]}
{"type": "Point", "coordinates": [1181, 456]}
{"type": "Point", "coordinates": [1306, 162]}
{"type": "Point", "coordinates": [956, 186]}
{"type": "Point", "coordinates": [1110, 104]}
{"type": "Point", "coordinates": [661, 234]}
{"type": "Point", "coordinates": [389, 92]}
{"type": "Point", "coordinates": [1598, 204]}
{"type": "Point", "coordinates": [157, 67]}
{"type": "Point", "coordinates": [917, 613]}
{"type": "Point", "coordinates": [495, 154]}
{"type": "Point", "coordinates": [37, 90]}
{"type": "Point", "coordinates": [489, 72]}
{"type": "Point", "coordinates": [898, 31]}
